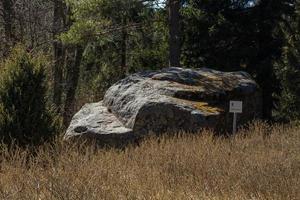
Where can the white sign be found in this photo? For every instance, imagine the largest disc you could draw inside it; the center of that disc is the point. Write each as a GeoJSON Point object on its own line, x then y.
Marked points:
{"type": "Point", "coordinates": [236, 106]}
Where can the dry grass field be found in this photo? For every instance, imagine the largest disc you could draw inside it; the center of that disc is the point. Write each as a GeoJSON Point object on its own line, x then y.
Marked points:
{"type": "Point", "coordinates": [262, 163]}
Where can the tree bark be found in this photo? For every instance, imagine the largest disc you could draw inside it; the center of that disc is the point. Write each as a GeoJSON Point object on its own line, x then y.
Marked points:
{"type": "Point", "coordinates": [124, 50]}
{"type": "Point", "coordinates": [124, 36]}
{"type": "Point", "coordinates": [8, 16]}
{"type": "Point", "coordinates": [265, 71]}
{"type": "Point", "coordinates": [58, 50]}
{"type": "Point", "coordinates": [73, 72]}
{"type": "Point", "coordinates": [174, 33]}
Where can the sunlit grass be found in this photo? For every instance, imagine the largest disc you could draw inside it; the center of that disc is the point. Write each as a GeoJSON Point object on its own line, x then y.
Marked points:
{"type": "Point", "coordinates": [262, 163]}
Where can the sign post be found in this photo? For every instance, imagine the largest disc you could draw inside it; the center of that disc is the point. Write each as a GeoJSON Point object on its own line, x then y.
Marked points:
{"type": "Point", "coordinates": [235, 108]}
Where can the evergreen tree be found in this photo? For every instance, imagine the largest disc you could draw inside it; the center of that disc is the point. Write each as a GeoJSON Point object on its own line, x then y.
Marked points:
{"type": "Point", "coordinates": [118, 37]}
{"type": "Point", "coordinates": [24, 117]}
{"type": "Point", "coordinates": [288, 70]}
{"type": "Point", "coordinates": [237, 35]}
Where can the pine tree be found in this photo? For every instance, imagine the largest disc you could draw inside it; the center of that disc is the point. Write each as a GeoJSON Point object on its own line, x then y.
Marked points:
{"type": "Point", "coordinates": [24, 117]}
{"type": "Point", "coordinates": [237, 35]}
{"type": "Point", "coordinates": [288, 71]}
{"type": "Point", "coordinates": [118, 37]}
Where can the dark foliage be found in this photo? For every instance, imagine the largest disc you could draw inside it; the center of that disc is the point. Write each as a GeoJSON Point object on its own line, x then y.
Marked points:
{"type": "Point", "coordinates": [24, 117]}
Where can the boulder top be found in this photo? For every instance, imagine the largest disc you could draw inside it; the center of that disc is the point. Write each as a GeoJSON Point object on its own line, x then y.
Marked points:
{"type": "Point", "coordinates": [202, 89]}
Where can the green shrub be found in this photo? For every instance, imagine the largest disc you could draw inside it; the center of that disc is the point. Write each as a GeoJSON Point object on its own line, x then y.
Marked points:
{"type": "Point", "coordinates": [24, 117]}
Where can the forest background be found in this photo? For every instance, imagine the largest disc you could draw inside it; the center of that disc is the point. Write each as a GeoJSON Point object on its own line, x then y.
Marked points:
{"type": "Point", "coordinates": [84, 46]}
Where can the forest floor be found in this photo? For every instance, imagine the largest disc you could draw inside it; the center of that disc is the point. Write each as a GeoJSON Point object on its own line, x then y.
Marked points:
{"type": "Point", "coordinates": [262, 162]}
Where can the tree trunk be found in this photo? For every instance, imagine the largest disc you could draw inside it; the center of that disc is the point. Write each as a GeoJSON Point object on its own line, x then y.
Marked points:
{"type": "Point", "coordinates": [58, 49]}
{"type": "Point", "coordinates": [124, 35]}
{"type": "Point", "coordinates": [265, 71]}
{"type": "Point", "coordinates": [8, 16]}
{"type": "Point", "coordinates": [73, 72]}
{"type": "Point", "coordinates": [124, 51]}
{"type": "Point", "coordinates": [174, 33]}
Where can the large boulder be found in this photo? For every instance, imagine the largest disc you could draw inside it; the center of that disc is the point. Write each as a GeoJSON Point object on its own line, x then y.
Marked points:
{"type": "Point", "coordinates": [172, 99]}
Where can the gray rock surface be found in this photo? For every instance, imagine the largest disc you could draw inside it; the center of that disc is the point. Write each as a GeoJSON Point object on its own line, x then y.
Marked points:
{"type": "Point", "coordinates": [94, 121]}
{"type": "Point", "coordinates": [171, 99]}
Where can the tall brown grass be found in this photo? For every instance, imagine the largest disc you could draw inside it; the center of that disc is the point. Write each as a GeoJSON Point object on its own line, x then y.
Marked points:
{"type": "Point", "coordinates": [261, 163]}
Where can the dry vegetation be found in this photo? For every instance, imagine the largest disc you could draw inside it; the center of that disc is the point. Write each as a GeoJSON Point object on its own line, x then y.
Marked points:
{"type": "Point", "coordinates": [262, 165]}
